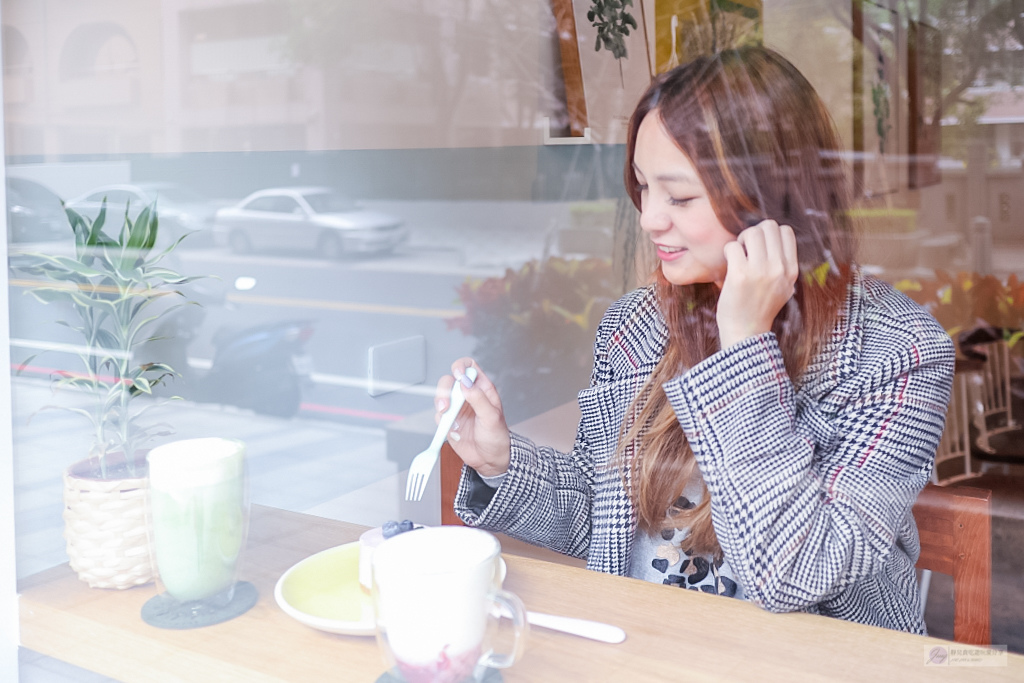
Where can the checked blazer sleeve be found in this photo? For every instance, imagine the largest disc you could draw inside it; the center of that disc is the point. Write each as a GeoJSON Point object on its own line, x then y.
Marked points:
{"type": "Point", "coordinates": [547, 497]}
{"type": "Point", "coordinates": [812, 494]}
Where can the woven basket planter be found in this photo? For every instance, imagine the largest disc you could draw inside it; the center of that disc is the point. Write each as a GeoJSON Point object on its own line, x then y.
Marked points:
{"type": "Point", "coordinates": [105, 527]}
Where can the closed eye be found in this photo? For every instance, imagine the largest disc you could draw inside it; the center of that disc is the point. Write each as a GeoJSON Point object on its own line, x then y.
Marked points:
{"type": "Point", "coordinates": [680, 202]}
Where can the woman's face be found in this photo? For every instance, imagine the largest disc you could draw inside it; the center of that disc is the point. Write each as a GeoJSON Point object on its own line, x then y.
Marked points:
{"type": "Point", "coordinates": [675, 210]}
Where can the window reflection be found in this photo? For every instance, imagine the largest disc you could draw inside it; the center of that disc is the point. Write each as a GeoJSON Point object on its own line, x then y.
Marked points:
{"type": "Point", "coordinates": [332, 176]}
{"type": "Point", "coordinates": [363, 192]}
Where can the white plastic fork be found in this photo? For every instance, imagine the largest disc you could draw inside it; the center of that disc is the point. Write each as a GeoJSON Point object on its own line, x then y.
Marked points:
{"type": "Point", "coordinates": [423, 464]}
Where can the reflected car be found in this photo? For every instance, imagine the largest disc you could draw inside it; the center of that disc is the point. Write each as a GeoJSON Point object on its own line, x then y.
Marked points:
{"type": "Point", "coordinates": [181, 210]}
{"type": "Point", "coordinates": [35, 213]}
{"type": "Point", "coordinates": [315, 219]}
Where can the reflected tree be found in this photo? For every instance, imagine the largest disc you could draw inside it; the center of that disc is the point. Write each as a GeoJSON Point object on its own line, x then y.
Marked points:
{"type": "Point", "coordinates": [450, 48]}
{"type": "Point", "coordinates": [980, 43]}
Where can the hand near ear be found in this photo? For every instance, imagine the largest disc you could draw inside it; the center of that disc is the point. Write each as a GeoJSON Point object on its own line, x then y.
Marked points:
{"type": "Point", "coordinates": [760, 279]}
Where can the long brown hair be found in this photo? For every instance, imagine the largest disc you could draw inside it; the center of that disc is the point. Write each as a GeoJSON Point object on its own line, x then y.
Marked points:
{"type": "Point", "coordinates": [764, 146]}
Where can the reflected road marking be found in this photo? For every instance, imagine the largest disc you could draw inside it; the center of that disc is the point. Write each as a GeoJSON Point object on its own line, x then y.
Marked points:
{"type": "Point", "coordinates": [206, 363]}
{"type": "Point", "coordinates": [289, 302]}
{"type": "Point", "coordinates": [351, 412]}
{"type": "Point", "coordinates": [69, 348]}
{"type": "Point", "coordinates": [364, 384]}
{"type": "Point", "coordinates": [307, 407]}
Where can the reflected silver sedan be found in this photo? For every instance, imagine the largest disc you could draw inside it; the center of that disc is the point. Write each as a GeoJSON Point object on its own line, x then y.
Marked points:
{"type": "Point", "coordinates": [307, 218]}
{"type": "Point", "coordinates": [181, 210]}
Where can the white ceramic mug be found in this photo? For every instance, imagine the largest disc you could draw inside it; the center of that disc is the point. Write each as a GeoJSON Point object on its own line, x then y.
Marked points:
{"type": "Point", "coordinates": [199, 515]}
{"type": "Point", "coordinates": [436, 598]}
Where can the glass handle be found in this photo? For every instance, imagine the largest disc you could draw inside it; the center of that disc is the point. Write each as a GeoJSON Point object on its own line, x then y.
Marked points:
{"type": "Point", "coordinates": [509, 604]}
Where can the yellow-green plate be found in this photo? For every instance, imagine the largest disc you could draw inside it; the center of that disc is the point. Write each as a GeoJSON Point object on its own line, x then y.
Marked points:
{"type": "Point", "coordinates": [323, 591]}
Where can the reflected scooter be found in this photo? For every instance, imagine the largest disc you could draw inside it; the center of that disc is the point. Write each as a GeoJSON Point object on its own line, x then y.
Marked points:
{"type": "Point", "coordinates": [261, 367]}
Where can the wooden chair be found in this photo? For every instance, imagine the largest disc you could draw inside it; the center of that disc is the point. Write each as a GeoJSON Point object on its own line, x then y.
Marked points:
{"type": "Point", "coordinates": [999, 438]}
{"type": "Point", "coordinates": [955, 526]}
{"type": "Point", "coordinates": [451, 472]}
{"type": "Point", "coordinates": [953, 456]}
{"type": "Point", "coordinates": [995, 374]}
{"type": "Point", "coordinates": [555, 428]}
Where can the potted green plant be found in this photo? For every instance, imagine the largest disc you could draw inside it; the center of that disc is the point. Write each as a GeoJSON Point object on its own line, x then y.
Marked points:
{"type": "Point", "coordinates": [111, 286]}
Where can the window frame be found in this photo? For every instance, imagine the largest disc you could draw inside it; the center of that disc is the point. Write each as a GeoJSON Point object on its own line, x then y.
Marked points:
{"type": "Point", "coordinates": [10, 634]}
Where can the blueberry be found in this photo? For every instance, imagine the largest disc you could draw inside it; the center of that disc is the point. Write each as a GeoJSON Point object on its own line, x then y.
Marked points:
{"type": "Point", "coordinates": [390, 528]}
{"type": "Point", "coordinates": [406, 525]}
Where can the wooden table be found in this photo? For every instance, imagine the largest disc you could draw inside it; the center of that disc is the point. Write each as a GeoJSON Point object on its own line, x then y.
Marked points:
{"type": "Point", "coordinates": [673, 634]}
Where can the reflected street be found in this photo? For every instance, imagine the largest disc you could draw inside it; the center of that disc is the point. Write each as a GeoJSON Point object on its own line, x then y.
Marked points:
{"type": "Point", "coordinates": [353, 303]}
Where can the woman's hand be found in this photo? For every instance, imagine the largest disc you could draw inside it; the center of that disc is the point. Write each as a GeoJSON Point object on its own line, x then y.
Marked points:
{"type": "Point", "coordinates": [760, 279]}
{"type": "Point", "coordinates": [479, 436]}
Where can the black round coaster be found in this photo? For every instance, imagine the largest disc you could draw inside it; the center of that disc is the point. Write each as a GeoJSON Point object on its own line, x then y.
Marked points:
{"type": "Point", "coordinates": [491, 676]}
{"type": "Point", "coordinates": [163, 611]}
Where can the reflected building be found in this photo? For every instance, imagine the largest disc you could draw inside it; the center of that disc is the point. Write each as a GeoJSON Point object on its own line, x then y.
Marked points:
{"type": "Point", "coordinates": [181, 76]}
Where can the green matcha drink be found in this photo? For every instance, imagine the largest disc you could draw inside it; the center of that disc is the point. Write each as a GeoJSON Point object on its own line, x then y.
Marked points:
{"type": "Point", "coordinates": [197, 491]}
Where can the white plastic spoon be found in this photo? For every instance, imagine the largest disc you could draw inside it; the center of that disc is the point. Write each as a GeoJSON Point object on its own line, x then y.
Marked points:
{"type": "Point", "coordinates": [595, 630]}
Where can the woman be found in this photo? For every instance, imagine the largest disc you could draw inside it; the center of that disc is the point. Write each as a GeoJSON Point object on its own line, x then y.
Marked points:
{"type": "Point", "coordinates": [760, 419]}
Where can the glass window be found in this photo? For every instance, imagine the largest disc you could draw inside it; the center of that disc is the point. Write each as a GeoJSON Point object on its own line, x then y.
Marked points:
{"type": "Point", "coordinates": [464, 165]}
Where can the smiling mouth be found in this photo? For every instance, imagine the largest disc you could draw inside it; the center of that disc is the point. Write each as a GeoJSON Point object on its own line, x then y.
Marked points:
{"type": "Point", "coordinates": [667, 253]}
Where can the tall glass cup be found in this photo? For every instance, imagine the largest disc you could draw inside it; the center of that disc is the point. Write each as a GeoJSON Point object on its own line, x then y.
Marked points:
{"type": "Point", "coordinates": [437, 599]}
{"type": "Point", "coordinates": [199, 519]}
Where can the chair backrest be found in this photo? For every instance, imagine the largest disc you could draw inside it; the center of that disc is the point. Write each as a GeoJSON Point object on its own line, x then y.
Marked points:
{"type": "Point", "coordinates": [555, 427]}
{"type": "Point", "coordinates": [995, 381]}
{"type": "Point", "coordinates": [955, 444]}
{"type": "Point", "coordinates": [955, 526]}
{"type": "Point", "coordinates": [451, 472]}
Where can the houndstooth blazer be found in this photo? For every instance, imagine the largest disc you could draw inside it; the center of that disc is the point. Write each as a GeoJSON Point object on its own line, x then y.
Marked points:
{"type": "Point", "coordinates": [811, 490]}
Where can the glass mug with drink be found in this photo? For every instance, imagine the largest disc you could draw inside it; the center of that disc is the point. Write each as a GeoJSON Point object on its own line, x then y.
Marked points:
{"type": "Point", "coordinates": [199, 518]}
{"type": "Point", "coordinates": [437, 597]}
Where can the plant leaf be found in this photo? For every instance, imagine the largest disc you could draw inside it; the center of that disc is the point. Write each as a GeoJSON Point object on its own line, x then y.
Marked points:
{"type": "Point", "coordinates": [168, 276]}
{"type": "Point", "coordinates": [143, 232]}
{"type": "Point", "coordinates": [48, 295]}
{"type": "Point", "coordinates": [96, 236]}
{"type": "Point", "coordinates": [25, 363]}
{"type": "Point", "coordinates": [79, 411]}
